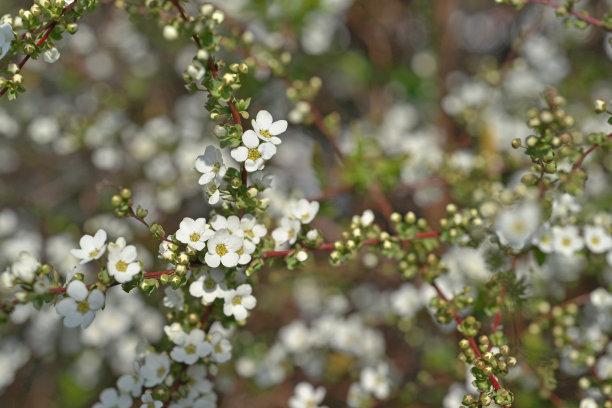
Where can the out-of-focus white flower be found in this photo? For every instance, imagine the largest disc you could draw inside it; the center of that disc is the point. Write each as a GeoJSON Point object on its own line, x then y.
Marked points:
{"type": "Point", "coordinates": [266, 129]}
{"type": "Point", "coordinates": [110, 398]}
{"type": "Point", "coordinates": [357, 397]}
{"type": "Point", "coordinates": [597, 239]}
{"type": "Point", "coordinates": [303, 210]}
{"type": "Point", "coordinates": [155, 369]}
{"type": "Point", "coordinates": [191, 347]}
{"type": "Point", "coordinates": [375, 380]}
{"type": "Point", "coordinates": [295, 337]}
{"type": "Point", "coordinates": [238, 301]}
{"type": "Point", "coordinates": [515, 225]}
{"type": "Point", "coordinates": [211, 165]}
{"type": "Point", "coordinates": [307, 396]}
{"type": "Point", "coordinates": [78, 308]}
{"type": "Point", "coordinates": [174, 331]}
{"type": "Point", "coordinates": [222, 349]}
{"type": "Point", "coordinates": [52, 55]}
{"type": "Point", "coordinates": [406, 301]}
{"type": "Point", "coordinates": [174, 298]}
{"type": "Point", "coordinates": [564, 205]}
{"type": "Point", "coordinates": [253, 154]}
{"type": "Point", "coordinates": [209, 286]}
{"type": "Point", "coordinates": [6, 38]}
{"type": "Point", "coordinates": [148, 401]}
{"type": "Point", "coordinates": [170, 33]}
{"type": "Point", "coordinates": [367, 218]}
{"type": "Point", "coordinates": [91, 247]}
{"type": "Point", "coordinates": [567, 240]}
{"type": "Point", "coordinates": [194, 233]}
{"type": "Point", "coordinates": [588, 403]}
{"type": "Point", "coordinates": [544, 239]}
{"type": "Point", "coordinates": [130, 384]}
{"type": "Point", "coordinates": [122, 263]}
{"type": "Point", "coordinates": [25, 266]}
{"type": "Point", "coordinates": [222, 249]}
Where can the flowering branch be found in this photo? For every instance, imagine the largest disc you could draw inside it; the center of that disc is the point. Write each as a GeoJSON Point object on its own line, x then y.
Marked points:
{"type": "Point", "coordinates": [580, 16]}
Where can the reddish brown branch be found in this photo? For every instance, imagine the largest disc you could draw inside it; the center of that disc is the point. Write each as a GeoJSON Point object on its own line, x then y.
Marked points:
{"type": "Point", "coordinates": [580, 16]}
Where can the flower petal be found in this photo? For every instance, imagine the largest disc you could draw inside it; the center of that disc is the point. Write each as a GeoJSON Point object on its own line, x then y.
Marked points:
{"type": "Point", "coordinates": [95, 299]}
{"type": "Point", "coordinates": [240, 153]}
{"type": "Point", "coordinates": [77, 290]}
{"type": "Point", "coordinates": [250, 139]}
{"type": "Point", "coordinates": [278, 127]}
{"type": "Point", "coordinates": [264, 119]}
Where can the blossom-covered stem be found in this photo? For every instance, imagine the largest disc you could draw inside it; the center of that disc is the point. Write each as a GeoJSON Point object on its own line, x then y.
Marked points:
{"type": "Point", "coordinates": [578, 163]}
{"type": "Point", "coordinates": [329, 247]}
{"type": "Point", "coordinates": [577, 14]}
{"type": "Point", "coordinates": [215, 73]}
{"type": "Point", "coordinates": [471, 340]}
{"type": "Point", "coordinates": [50, 28]}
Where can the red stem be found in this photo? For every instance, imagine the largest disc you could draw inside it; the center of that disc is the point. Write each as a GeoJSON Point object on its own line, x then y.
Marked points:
{"type": "Point", "coordinates": [577, 14]}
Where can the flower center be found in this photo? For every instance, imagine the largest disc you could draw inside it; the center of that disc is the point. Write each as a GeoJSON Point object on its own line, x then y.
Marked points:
{"type": "Point", "coordinates": [218, 348]}
{"type": "Point", "coordinates": [210, 284]}
{"type": "Point", "coordinates": [240, 251]}
{"type": "Point", "coordinates": [253, 154]}
{"type": "Point", "coordinates": [95, 252]}
{"type": "Point", "coordinates": [249, 233]}
{"type": "Point", "coordinates": [83, 307]}
{"type": "Point", "coordinates": [566, 241]}
{"type": "Point", "coordinates": [161, 371]}
{"type": "Point", "coordinates": [195, 237]}
{"type": "Point", "coordinates": [518, 227]}
{"type": "Point", "coordinates": [594, 240]}
{"type": "Point", "coordinates": [121, 266]}
{"type": "Point", "coordinates": [221, 249]}
{"type": "Point", "coordinates": [216, 168]}
{"type": "Point", "coordinates": [237, 300]}
{"type": "Point", "coordinates": [290, 233]}
{"type": "Point", "coordinates": [190, 349]}
{"type": "Point", "coordinates": [265, 133]}
{"type": "Point", "coordinates": [305, 217]}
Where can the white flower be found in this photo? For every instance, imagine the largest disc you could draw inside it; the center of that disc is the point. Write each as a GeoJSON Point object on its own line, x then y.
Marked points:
{"type": "Point", "coordinates": [566, 240]}
{"type": "Point", "coordinates": [213, 193]}
{"type": "Point", "coordinates": [79, 307]}
{"type": "Point", "coordinates": [174, 298]}
{"type": "Point", "coordinates": [588, 403]}
{"type": "Point", "coordinates": [303, 210]}
{"type": "Point", "coordinates": [52, 55]}
{"type": "Point", "coordinates": [110, 398]}
{"type": "Point", "coordinates": [25, 266]}
{"type": "Point", "coordinates": [222, 249]}
{"type": "Point", "coordinates": [130, 384]}
{"type": "Point", "coordinates": [251, 229]}
{"type": "Point", "coordinates": [253, 154]}
{"type": "Point", "coordinates": [287, 233]}
{"type": "Point", "coordinates": [515, 226]}
{"type": "Point", "coordinates": [405, 301]}
{"type": "Point", "coordinates": [295, 336]}
{"type": "Point", "coordinates": [544, 239]}
{"type": "Point", "coordinates": [191, 347]}
{"type": "Point", "coordinates": [232, 224]}
{"type": "Point", "coordinates": [122, 263]}
{"type": "Point", "coordinates": [565, 205]}
{"type": "Point", "coordinates": [245, 252]}
{"type": "Point", "coordinates": [307, 396]}
{"type": "Point", "coordinates": [301, 256]}
{"type": "Point", "coordinates": [6, 37]}
{"type": "Point", "coordinates": [238, 301]}
{"type": "Point", "coordinates": [367, 218]}
{"type": "Point", "coordinates": [149, 402]}
{"type": "Point", "coordinates": [597, 239]}
{"type": "Point", "coordinates": [222, 349]}
{"type": "Point", "coordinates": [174, 331]}
{"type": "Point", "coordinates": [210, 164]}
{"type": "Point", "coordinates": [91, 247]}
{"type": "Point", "coordinates": [209, 286]}
{"type": "Point", "coordinates": [195, 70]}
{"type": "Point", "coordinates": [357, 397]}
{"type": "Point", "coordinates": [376, 381]}
{"type": "Point", "coordinates": [266, 129]}
{"type": "Point", "coordinates": [194, 233]}
{"type": "Point", "coordinates": [155, 369]}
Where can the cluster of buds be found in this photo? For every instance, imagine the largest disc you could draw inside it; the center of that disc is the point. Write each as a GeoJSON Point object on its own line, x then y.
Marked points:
{"type": "Point", "coordinates": [457, 224]}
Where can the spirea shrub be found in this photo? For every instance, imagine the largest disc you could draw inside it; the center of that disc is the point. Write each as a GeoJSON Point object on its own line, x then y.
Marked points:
{"type": "Point", "coordinates": [343, 203]}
